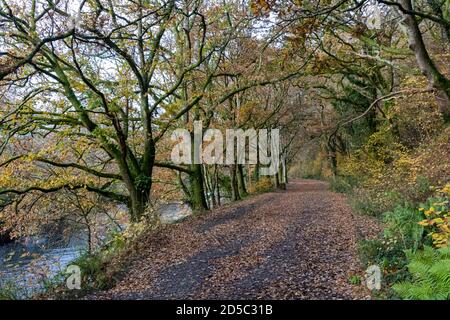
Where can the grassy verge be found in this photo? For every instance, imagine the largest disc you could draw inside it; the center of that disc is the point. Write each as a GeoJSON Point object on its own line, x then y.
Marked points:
{"type": "Point", "coordinates": [407, 251]}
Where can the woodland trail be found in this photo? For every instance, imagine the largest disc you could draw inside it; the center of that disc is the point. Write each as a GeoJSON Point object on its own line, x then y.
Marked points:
{"type": "Point", "coordinates": [295, 244]}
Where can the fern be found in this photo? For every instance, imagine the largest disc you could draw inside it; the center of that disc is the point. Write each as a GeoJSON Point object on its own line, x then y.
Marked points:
{"type": "Point", "coordinates": [430, 270]}
{"type": "Point", "coordinates": [417, 268]}
{"type": "Point", "coordinates": [440, 272]}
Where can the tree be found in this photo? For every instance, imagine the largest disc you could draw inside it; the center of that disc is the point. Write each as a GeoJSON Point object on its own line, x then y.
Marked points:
{"type": "Point", "coordinates": [426, 64]}
{"type": "Point", "coordinates": [106, 76]}
{"type": "Point", "coordinates": [91, 91]}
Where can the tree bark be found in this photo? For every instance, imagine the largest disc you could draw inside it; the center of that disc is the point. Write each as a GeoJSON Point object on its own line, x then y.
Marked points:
{"type": "Point", "coordinates": [285, 171]}
{"type": "Point", "coordinates": [210, 187]}
{"type": "Point", "coordinates": [198, 198]}
{"type": "Point", "coordinates": [234, 184]}
{"type": "Point", "coordinates": [277, 179]}
{"type": "Point", "coordinates": [241, 180]}
{"type": "Point", "coordinates": [436, 79]}
{"type": "Point", "coordinates": [280, 174]}
{"type": "Point", "coordinates": [217, 183]}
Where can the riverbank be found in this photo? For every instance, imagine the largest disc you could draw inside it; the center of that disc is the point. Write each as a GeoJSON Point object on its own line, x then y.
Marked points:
{"type": "Point", "coordinates": [31, 266]}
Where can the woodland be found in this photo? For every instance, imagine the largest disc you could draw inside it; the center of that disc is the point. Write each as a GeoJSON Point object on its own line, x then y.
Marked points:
{"type": "Point", "coordinates": [91, 92]}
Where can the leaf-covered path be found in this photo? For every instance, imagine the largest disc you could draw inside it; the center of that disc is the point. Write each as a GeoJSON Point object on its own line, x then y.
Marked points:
{"type": "Point", "coordinates": [294, 244]}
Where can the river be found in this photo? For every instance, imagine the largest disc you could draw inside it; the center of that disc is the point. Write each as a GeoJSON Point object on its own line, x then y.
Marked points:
{"type": "Point", "coordinates": [26, 264]}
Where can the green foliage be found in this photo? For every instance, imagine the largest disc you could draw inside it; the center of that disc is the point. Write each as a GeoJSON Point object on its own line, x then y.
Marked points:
{"type": "Point", "coordinates": [446, 9]}
{"type": "Point", "coordinates": [430, 270]}
{"type": "Point", "coordinates": [402, 226]}
{"type": "Point", "coordinates": [143, 182]}
{"type": "Point", "coordinates": [355, 280]}
{"type": "Point", "coordinates": [383, 197]}
{"type": "Point", "coordinates": [388, 255]}
{"type": "Point", "coordinates": [9, 291]}
{"type": "Point", "coordinates": [436, 219]}
{"type": "Point", "coordinates": [354, 101]}
{"type": "Point", "coordinates": [413, 272]}
{"type": "Point", "coordinates": [93, 273]}
{"type": "Point", "coordinates": [364, 204]}
{"type": "Point", "coordinates": [98, 268]}
{"type": "Point", "coordinates": [422, 187]}
{"type": "Point", "coordinates": [401, 232]}
{"type": "Point", "coordinates": [343, 184]}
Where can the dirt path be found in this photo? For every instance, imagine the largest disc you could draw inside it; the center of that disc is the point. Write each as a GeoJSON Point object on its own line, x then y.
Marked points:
{"type": "Point", "coordinates": [294, 244]}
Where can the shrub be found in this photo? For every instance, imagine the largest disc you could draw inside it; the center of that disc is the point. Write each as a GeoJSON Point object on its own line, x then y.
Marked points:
{"type": "Point", "coordinates": [100, 269]}
{"type": "Point", "coordinates": [422, 188]}
{"type": "Point", "coordinates": [344, 184]}
{"type": "Point", "coordinates": [365, 206]}
{"type": "Point", "coordinates": [374, 202]}
{"type": "Point", "coordinates": [402, 225]}
{"type": "Point", "coordinates": [265, 184]}
{"type": "Point", "coordinates": [401, 232]}
{"type": "Point", "coordinates": [436, 220]}
{"type": "Point", "coordinates": [388, 255]}
{"type": "Point", "coordinates": [93, 273]}
{"type": "Point", "coordinates": [430, 270]}
{"type": "Point", "coordinates": [9, 291]}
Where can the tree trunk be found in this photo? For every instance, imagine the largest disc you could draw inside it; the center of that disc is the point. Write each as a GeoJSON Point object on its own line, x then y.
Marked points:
{"type": "Point", "coordinates": [436, 79]}
{"type": "Point", "coordinates": [284, 171]}
{"type": "Point", "coordinates": [210, 187]}
{"type": "Point", "coordinates": [241, 180]}
{"type": "Point", "coordinates": [234, 184]}
{"type": "Point", "coordinates": [89, 231]}
{"type": "Point", "coordinates": [280, 174]}
{"type": "Point", "coordinates": [256, 173]}
{"type": "Point", "coordinates": [217, 183]}
{"type": "Point", "coordinates": [333, 161]}
{"type": "Point", "coordinates": [139, 200]}
{"type": "Point", "coordinates": [198, 198]}
{"type": "Point", "coordinates": [277, 179]}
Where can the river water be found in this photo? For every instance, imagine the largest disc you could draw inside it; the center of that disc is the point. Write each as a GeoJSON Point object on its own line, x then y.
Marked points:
{"type": "Point", "coordinates": [26, 264]}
